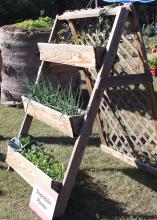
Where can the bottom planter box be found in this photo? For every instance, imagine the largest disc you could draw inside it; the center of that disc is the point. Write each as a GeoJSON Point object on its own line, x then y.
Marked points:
{"type": "Point", "coordinates": [69, 125]}
{"type": "Point", "coordinates": [28, 171]}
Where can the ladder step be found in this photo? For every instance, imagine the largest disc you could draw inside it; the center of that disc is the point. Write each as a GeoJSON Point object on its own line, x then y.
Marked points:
{"type": "Point", "coordinates": [87, 13]}
{"type": "Point", "coordinates": [69, 54]}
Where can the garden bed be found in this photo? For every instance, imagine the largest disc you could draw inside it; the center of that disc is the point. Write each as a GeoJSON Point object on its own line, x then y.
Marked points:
{"type": "Point", "coordinates": [28, 171]}
{"type": "Point", "coordinates": [69, 125]}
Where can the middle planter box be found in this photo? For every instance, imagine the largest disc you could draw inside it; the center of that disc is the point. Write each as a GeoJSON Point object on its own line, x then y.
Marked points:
{"type": "Point", "coordinates": [69, 125]}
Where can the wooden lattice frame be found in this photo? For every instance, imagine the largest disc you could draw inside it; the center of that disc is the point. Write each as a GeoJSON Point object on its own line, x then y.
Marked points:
{"type": "Point", "coordinates": [102, 81]}
{"type": "Point", "coordinates": [139, 149]}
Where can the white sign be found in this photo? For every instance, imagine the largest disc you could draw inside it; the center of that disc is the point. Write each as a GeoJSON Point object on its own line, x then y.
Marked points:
{"type": "Point", "coordinates": [43, 201]}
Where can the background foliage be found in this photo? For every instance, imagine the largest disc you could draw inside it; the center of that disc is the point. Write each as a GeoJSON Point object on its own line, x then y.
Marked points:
{"type": "Point", "coordinates": [13, 10]}
{"type": "Point", "coordinates": [17, 10]}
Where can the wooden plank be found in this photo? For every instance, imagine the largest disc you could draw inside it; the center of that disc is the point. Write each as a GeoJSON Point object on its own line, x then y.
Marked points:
{"type": "Point", "coordinates": [98, 119]}
{"type": "Point", "coordinates": [73, 31]}
{"type": "Point", "coordinates": [130, 160]}
{"type": "Point", "coordinates": [69, 54]}
{"type": "Point", "coordinates": [69, 125]}
{"type": "Point", "coordinates": [118, 155]}
{"type": "Point", "coordinates": [126, 80]}
{"type": "Point", "coordinates": [28, 171]}
{"type": "Point", "coordinates": [26, 124]}
{"type": "Point", "coordinates": [88, 13]}
{"type": "Point", "coordinates": [92, 109]}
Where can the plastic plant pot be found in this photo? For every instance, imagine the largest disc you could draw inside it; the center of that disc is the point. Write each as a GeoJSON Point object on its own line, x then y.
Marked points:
{"type": "Point", "coordinates": [154, 71]}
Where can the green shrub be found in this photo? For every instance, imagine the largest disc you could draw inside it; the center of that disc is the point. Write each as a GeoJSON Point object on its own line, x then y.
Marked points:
{"type": "Point", "coordinates": [153, 62]}
{"type": "Point", "coordinates": [41, 23]}
{"type": "Point", "coordinates": [150, 30]}
{"type": "Point", "coordinates": [127, 28]}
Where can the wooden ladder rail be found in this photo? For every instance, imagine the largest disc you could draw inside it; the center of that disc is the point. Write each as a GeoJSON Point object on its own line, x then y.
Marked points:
{"type": "Point", "coordinates": [144, 67]}
{"type": "Point", "coordinates": [93, 108]}
{"type": "Point", "coordinates": [88, 80]}
{"type": "Point", "coordinates": [28, 118]}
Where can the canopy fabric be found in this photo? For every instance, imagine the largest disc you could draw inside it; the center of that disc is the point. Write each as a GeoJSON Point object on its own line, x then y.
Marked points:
{"type": "Point", "coordinates": [129, 1]}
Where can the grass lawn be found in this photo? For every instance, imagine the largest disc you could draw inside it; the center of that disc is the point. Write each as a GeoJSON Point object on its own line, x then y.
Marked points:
{"type": "Point", "coordinates": [105, 188]}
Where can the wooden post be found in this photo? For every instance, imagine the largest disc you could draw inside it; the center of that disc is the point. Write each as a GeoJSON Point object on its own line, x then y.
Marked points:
{"type": "Point", "coordinates": [73, 31]}
{"type": "Point", "coordinates": [144, 67]}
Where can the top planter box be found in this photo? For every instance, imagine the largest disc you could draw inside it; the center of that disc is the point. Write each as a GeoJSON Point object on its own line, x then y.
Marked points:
{"type": "Point", "coordinates": [69, 125]}
{"type": "Point", "coordinates": [70, 54]}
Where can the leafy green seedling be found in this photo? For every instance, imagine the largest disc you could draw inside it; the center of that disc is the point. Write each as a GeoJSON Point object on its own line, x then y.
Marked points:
{"type": "Point", "coordinates": [38, 156]}
{"type": "Point", "coordinates": [153, 62]}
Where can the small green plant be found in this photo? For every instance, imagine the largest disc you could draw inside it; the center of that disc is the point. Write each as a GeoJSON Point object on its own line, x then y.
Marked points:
{"type": "Point", "coordinates": [127, 28]}
{"type": "Point", "coordinates": [38, 156]}
{"type": "Point", "coordinates": [62, 100]}
{"type": "Point", "coordinates": [41, 23]}
{"type": "Point", "coordinates": [96, 32]}
{"type": "Point", "coordinates": [150, 30]}
{"type": "Point", "coordinates": [153, 62]}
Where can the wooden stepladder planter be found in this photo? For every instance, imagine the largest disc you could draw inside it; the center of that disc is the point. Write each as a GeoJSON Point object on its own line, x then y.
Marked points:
{"type": "Point", "coordinates": [28, 171]}
{"type": "Point", "coordinates": [86, 58]}
{"type": "Point", "coordinates": [69, 125]}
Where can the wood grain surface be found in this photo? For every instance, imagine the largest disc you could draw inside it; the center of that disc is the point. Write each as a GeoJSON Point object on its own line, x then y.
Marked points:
{"type": "Point", "coordinates": [68, 125]}
{"type": "Point", "coordinates": [75, 55]}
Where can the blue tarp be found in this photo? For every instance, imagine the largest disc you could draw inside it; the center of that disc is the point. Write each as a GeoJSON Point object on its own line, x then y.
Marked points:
{"type": "Point", "coordinates": [129, 1]}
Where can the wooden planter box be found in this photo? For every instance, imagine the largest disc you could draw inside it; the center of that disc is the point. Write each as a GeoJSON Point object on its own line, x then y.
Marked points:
{"type": "Point", "coordinates": [28, 171]}
{"type": "Point", "coordinates": [69, 125]}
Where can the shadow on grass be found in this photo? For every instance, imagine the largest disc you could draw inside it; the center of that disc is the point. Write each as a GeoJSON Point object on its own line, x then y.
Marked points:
{"type": "Point", "coordinates": [3, 168]}
{"type": "Point", "coordinates": [2, 193]}
{"type": "Point", "coordinates": [2, 157]}
{"type": "Point", "coordinates": [93, 141]}
{"type": "Point", "coordinates": [2, 138]}
{"type": "Point", "coordinates": [142, 177]}
{"type": "Point", "coordinates": [139, 175]}
{"type": "Point", "coordinates": [89, 202]}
